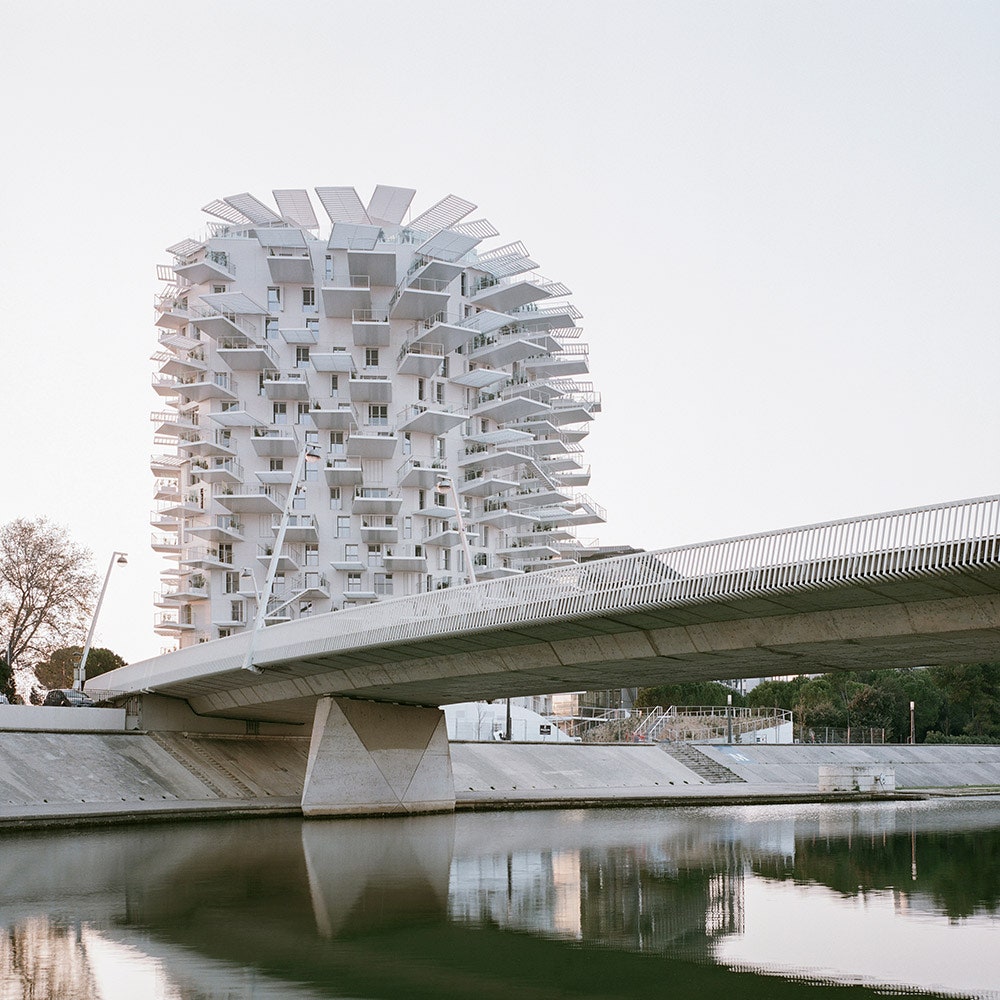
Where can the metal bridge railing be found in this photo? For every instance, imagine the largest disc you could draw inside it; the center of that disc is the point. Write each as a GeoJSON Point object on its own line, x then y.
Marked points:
{"type": "Point", "coordinates": [880, 547]}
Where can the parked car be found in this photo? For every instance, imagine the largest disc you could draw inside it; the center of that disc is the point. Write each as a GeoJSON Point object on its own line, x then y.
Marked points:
{"type": "Point", "coordinates": [3, 700]}
{"type": "Point", "coordinates": [68, 698]}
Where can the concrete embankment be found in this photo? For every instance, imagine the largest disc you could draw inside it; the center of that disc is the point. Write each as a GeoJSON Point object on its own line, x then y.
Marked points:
{"type": "Point", "coordinates": [66, 777]}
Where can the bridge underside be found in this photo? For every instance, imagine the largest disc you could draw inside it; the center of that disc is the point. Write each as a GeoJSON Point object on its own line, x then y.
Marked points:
{"type": "Point", "coordinates": [950, 618]}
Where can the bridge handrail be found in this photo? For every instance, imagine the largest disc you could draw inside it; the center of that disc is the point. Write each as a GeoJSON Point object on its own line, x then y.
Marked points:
{"type": "Point", "coordinates": [894, 545]}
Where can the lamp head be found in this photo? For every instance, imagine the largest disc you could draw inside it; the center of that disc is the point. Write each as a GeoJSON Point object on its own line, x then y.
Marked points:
{"type": "Point", "coordinates": [122, 560]}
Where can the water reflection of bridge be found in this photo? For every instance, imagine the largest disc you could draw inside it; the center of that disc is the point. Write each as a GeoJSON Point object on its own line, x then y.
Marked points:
{"type": "Point", "coordinates": [468, 905]}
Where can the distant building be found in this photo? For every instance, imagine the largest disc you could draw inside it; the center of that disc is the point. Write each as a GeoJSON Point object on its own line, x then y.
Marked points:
{"type": "Point", "coordinates": [420, 360]}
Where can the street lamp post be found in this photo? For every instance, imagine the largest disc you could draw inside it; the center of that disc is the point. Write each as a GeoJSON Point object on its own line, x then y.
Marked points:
{"type": "Point", "coordinates": [912, 730]}
{"type": "Point", "coordinates": [729, 719]}
{"type": "Point", "coordinates": [447, 485]}
{"type": "Point", "coordinates": [80, 678]}
{"type": "Point", "coordinates": [307, 454]}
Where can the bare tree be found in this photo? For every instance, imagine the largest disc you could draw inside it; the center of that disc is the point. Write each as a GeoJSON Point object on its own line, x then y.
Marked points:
{"type": "Point", "coordinates": [47, 594]}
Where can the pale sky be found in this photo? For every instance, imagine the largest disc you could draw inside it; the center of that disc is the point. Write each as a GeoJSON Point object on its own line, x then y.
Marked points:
{"type": "Point", "coordinates": [779, 220]}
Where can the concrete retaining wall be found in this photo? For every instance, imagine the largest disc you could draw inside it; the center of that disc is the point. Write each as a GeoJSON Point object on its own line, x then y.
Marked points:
{"type": "Point", "coordinates": [926, 766]}
{"type": "Point", "coordinates": [46, 718]}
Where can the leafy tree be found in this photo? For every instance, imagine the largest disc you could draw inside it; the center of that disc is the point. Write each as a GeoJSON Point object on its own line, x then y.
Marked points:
{"type": "Point", "coordinates": [690, 693]}
{"type": "Point", "coordinates": [57, 670]}
{"type": "Point", "coordinates": [47, 594]}
{"type": "Point", "coordinates": [971, 693]}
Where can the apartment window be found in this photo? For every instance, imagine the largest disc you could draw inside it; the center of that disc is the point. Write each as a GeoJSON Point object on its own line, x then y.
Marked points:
{"type": "Point", "coordinates": [439, 447]}
{"type": "Point", "coordinates": [407, 527]}
{"type": "Point", "coordinates": [334, 385]}
{"type": "Point", "coordinates": [343, 527]}
{"type": "Point", "coordinates": [328, 269]}
{"type": "Point", "coordinates": [351, 552]}
{"type": "Point", "coordinates": [226, 552]}
{"type": "Point", "coordinates": [311, 437]}
{"type": "Point", "coordinates": [371, 357]}
{"type": "Point", "coordinates": [231, 582]}
{"type": "Point", "coordinates": [309, 300]}
{"type": "Point", "coordinates": [445, 558]}
{"type": "Point", "coordinates": [420, 388]}
{"type": "Point", "coordinates": [354, 583]}
{"type": "Point", "coordinates": [311, 472]}
{"type": "Point", "coordinates": [439, 499]}
{"type": "Point", "coordinates": [378, 414]}
{"type": "Point", "coordinates": [312, 554]}
{"type": "Point", "coordinates": [439, 392]}
{"type": "Point", "coordinates": [375, 555]}
{"type": "Point", "coordinates": [271, 328]}
{"type": "Point", "coordinates": [407, 443]}
{"type": "Point", "coordinates": [421, 499]}
{"type": "Point", "coordinates": [224, 633]}
{"type": "Point", "coordinates": [299, 501]}
{"type": "Point", "coordinates": [336, 503]}
{"type": "Point", "coordinates": [236, 611]}
{"type": "Point", "coordinates": [302, 413]}
{"type": "Point", "coordinates": [279, 413]}
{"type": "Point", "coordinates": [305, 609]}
{"type": "Point", "coordinates": [444, 368]}
{"type": "Point", "coordinates": [383, 584]}
{"type": "Point", "coordinates": [486, 534]}
{"type": "Point", "coordinates": [336, 442]}
{"type": "Point", "coordinates": [218, 289]}
{"type": "Point", "coordinates": [301, 357]}
{"type": "Point", "coordinates": [274, 300]}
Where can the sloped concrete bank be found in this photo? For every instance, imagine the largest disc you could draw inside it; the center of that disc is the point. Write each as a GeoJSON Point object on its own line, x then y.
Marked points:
{"type": "Point", "coordinates": [63, 778]}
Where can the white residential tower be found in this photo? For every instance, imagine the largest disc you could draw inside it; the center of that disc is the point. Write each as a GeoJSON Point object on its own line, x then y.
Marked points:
{"type": "Point", "coordinates": [419, 361]}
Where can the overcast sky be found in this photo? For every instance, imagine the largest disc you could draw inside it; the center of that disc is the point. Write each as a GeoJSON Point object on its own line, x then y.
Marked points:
{"type": "Point", "coordinates": [780, 220]}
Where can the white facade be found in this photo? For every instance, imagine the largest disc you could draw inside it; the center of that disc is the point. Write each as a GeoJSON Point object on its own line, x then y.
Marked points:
{"type": "Point", "coordinates": [401, 353]}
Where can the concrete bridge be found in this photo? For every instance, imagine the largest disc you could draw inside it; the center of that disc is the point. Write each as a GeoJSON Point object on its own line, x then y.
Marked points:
{"type": "Point", "coordinates": [904, 588]}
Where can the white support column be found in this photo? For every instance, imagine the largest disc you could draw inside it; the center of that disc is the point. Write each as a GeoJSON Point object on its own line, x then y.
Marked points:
{"type": "Point", "coordinates": [374, 758]}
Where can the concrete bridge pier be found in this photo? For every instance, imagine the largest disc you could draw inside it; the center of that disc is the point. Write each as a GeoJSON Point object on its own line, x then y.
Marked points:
{"type": "Point", "coordinates": [376, 758]}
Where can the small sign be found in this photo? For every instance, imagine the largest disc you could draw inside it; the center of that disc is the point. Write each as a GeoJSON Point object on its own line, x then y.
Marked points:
{"type": "Point", "coordinates": [544, 730]}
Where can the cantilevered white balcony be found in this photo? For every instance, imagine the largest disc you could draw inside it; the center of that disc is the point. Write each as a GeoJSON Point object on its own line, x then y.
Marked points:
{"type": "Point", "coordinates": [379, 530]}
{"type": "Point", "coordinates": [422, 473]}
{"type": "Point", "coordinates": [172, 311]}
{"type": "Point", "coordinates": [183, 592]}
{"type": "Point", "coordinates": [219, 323]}
{"type": "Point", "coordinates": [480, 378]}
{"type": "Point", "coordinates": [557, 317]}
{"type": "Point", "coordinates": [505, 294]}
{"type": "Point", "coordinates": [444, 534]}
{"type": "Point", "coordinates": [363, 596]}
{"type": "Point", "coordinates": [405, 559]}
{"type": "Point", "coordinates": [304, 336]}
{"type": "Point", "coordinates": [351, 561]}
{"type": "Point", "coordinates": [171, 424]}
{"type": "Point", "coordinates": [575, 477]}
{"type": "Point", "coordinates": [344, 293]}
{"type": "Point", "coordinates": [502, 349]}
{"type": "Point", "coordinates": [167, 490]}
{"type": "Point", "coordinates": [167, 623]}
{"type": "Point", "coordinates": [206, 558]}
{"type": "Point", "coordinates": [300, 527]}
{"type": "Point", "coordinates": [272, 442]}
{"type": "Point", "coordinates": [370, 387]}
{"type": "Point", "coordinates": [376, 500]}
{"type": "Point", "coordinates": [419, 298]}
{"type": "Point", "coordinates": [163, 521]}
{"type": "Point", "coordinates": [217, 470]}
{"type": "Point", "coordinates": [526, 497]}
{"type": "Point", "coordinates": [230, 614]}
{"type": "Point", "coordinates": [370, 328]}
{"type": "Point", "coordinates": [286, 384]}
{"type": "Point", "coordinates": [165, 542]}
{"type": "Point", "coordinates": [289, 558]}
{"type": "Point", "coordinates": [207, 385]}
{"type": "Point", "coordinates": [224, 528]}
{"type": "Point", "coordinates": [275, 477]}
{"type": "Point", "coordinates": [213, 266]}
{"type": "Point", "coordinates": [180, 364]}
{"type": "Point", "coordinates": [501, 517]}
{"type": "Point", "coordinates": [328, 417]}
{"type": "Point", "coordinates": [245, 355]}
{"type": "Point", "coordinates": [250, 499]}
{"type": "Point", "coordinates": [166, 466]}
{"type": "Point", "coordinates": [343, 472]}
{"type": "Point", "coordinates": [430, 419]}
{"type": "Point", "coordinates": [311, 586]}
{"type": "Point", "coordinates": [234, 414]}
{"type": "Point", "coordinates": [423, 359]}
{"type": "Point", "coordinates": [570, 359]}
{"type": "Point", "coordinates": [491, 567]}
{"type": "Point", "coordinates": [371, 444]}
{"type": "Point", "coordinates": [166, 385]}
{"type": "Point", "coordinates": [379, 266]}
{"type": "Point", "coordinates": [527, 549]}
{"type": "Point", "coordinates": [486, 484]}
{"type": "Point", "coordinates": [510, 405]}
{"type": "Point", "coordinates": [437, 329]}
{"type": "Point", "coordinates": [483, 458]}
{"type": "Point", "coordinates": [335, 362]}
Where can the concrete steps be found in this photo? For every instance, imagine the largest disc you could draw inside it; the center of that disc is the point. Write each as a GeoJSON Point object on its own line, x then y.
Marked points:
{"type": "Point", "coordinates": [712, 771]}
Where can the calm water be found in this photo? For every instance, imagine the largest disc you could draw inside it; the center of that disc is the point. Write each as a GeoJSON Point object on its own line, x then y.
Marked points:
{"type": "Point", "coordinates": [788, 901]}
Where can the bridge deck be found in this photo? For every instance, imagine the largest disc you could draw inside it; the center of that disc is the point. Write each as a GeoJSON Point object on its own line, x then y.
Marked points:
{"type": "Point", "coordinates": [902, 588]}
